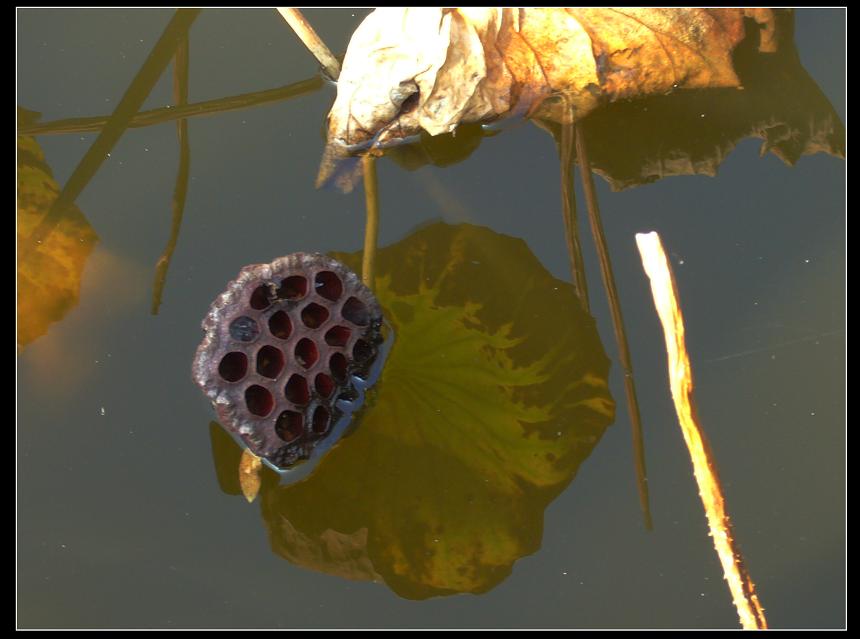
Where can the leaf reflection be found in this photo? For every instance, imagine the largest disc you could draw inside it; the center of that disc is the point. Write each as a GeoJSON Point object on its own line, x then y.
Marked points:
{"type": "Point", "coordinates": [494, 393]}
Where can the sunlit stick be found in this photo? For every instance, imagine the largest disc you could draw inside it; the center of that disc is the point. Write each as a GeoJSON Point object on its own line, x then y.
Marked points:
{"type": "Point", "coordinates": [664, 291]}
{"type": "Point", "coordinates": [311, 40]}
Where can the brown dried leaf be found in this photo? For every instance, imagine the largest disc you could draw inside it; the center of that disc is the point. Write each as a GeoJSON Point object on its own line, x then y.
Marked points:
{"type": "Point", "coordinates": [425, 69]}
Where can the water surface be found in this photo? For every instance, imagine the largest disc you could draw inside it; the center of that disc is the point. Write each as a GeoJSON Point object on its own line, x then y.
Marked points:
{"type": "Point", "coordinates": [127, 513]}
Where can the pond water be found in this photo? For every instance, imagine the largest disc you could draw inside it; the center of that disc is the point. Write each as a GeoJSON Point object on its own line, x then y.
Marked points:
{"type": "Point", "coordinates": [489, 479]}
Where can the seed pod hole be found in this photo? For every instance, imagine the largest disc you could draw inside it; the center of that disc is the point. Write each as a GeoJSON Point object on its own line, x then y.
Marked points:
{"type": "Point", "coordinates": [361, 351]}
{"type": "Point", "coordinates": [328, 285]}
{"type": "Point", "coordinates": [290, 425]}
{"type": "Point", "coordinates": [294, 287]}
{"type": "Point", "coordinates": [337, 336]}
{"type": "Point", "coordinates": [297, 390]}
{"type": "Point", "coordinates": [280, 325]}
{"type": "Point", "coordinates": [355, 311]}
{"type": "Point", "coordinates": [233, 366]}
{"type": "Point", "coordinates": [314, 315]}
{"type": "Point", "coordinates": [244, 329]}
{"type": "Point", "coordinates": [260, 298]}
{"type": "Point", "coordinates": [338, 365]}
{"type": "Point", "coordinates": [259, 400]}
{"type": "Point", "coordinates": [320, 420]}
{"type": "Point", "coordinates": [270, 362]}
{"type": "Point", "coordinates": [324, 385]}
{"type": "Point", "coordinates": [306, 353]}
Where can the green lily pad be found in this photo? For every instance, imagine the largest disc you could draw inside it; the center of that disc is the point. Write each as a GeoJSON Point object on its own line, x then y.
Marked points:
{"type": "Point", "coordinates": [495, 391]}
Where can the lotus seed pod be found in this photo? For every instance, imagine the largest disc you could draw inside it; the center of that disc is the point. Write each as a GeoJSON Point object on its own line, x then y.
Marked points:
{"type": "Point", "coordinates": [283, 344]}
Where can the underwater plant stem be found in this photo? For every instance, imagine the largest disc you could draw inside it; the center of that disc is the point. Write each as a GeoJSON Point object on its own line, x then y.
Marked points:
{"type": "Point", "coordinates": [311, 40]}
{"type": "Point", "coordinates": [665, 293]}
{"type": "Point", "coordinates": [180, 190]}
{"type": "Point", "coordinates": [176, 112]}
{"type": "Point", "coordinates": [568, 207]}
{"type": "Point", "coordinates": [617, 323]}
{"type": "Point", "coordinates": [371, 228]}
{"type": "Point", "coordinates": [139, 89]}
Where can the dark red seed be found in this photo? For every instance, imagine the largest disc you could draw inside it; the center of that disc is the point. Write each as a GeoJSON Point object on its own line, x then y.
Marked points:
{"type": "Point", "coordinates": [324, 385]}
{"type": "Point", "coordinates": [338, 365]}
{"type": "Point", "coordinates": [314, 315]}
{"type": "Point", "coordinates": [320, 420]}
{"type": "Point", "coordinates": [337, 336]}
{"type": "Point", "coordinates": [280, 325]}
{"type": "Point", "coordinates": [233, 366]}
{"type": "Point", "coordinates": [355, 311]}
{"type": "Point", "coordinates": [270, 362]}
{"type": "Point", "coordinates": [297, 391]}
{"type": "Point", "coordinates": [361, 351]}
{"type": "Point", "coordinates": [289, 425]}
{"type": "Point", "coordinates": [306, 353]}
{"type": "Point", "coordinates": [294, 287]}
{"type": "Point", "coordinates": [260, 298]}
{"type": "Point", "coordinates": [328, 285]}
{"type": "Point", "coordinates": [259, 400]}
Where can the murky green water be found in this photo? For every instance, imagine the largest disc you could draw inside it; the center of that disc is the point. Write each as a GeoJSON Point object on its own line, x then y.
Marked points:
{"type": "Point", "coordinates": [487, 460]}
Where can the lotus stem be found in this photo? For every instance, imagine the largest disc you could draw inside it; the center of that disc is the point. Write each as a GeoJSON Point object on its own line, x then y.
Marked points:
{"type": "Point", "coordinates": [371, 228]}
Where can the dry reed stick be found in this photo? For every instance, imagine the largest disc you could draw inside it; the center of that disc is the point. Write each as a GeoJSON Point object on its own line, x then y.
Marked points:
{"type": "Point", "coordinates": [311, 40]}
{"type": "Point", "coordinates": [665, 294]}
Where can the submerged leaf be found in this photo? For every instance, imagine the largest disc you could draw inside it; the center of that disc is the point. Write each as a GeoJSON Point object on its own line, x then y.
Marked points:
{"type": "Point", "coordinates": [493, 394]}
{"type": "Point", "coordinates": [49, 278]}
{"type": "Point", "coordinates": [227, 456]}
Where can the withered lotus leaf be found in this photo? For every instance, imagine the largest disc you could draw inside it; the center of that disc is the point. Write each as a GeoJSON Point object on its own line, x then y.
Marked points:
{"type": "Point", "coordinates": [638, 136]}
{"type": "Point", "coordinates": [430, 69]}
{"type": "Point", "coordinates": [493, 394]}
